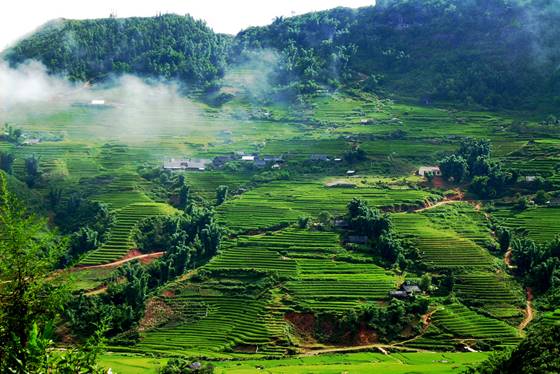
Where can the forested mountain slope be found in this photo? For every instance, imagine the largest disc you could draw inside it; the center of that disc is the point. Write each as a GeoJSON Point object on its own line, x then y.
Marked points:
{"type": "Point", "coordinates": [497, 53]}
{"type": "Point", "coordinates": [168, 46]}
{"type": "Point", "coordinates": [473, 51]}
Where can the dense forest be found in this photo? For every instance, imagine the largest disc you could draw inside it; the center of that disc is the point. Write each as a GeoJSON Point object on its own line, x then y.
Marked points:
{"type": "Point", "coordinates": [475, 52]}
{"type": "Point", "coordinates": [168, 46]}
{"type": "Point", "coordinates": [482, 52]}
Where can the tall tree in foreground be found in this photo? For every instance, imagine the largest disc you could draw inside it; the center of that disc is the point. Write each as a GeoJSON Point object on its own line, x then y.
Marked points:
{"type": "Point", "coordinates": [30, 301]}
{"type": "Point", "coordinates": [538, 353]}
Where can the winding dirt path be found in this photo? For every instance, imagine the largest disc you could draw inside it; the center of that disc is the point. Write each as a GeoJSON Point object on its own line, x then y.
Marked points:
{"type": "Point", "coordinates": [142, 257]}
{"type": "Point", "coordinates": [438, 204]}
{"type": "Point", "coordinates": [507, 259]}
{"type": "Point", "coordinates": [381, 347]}
{"type": "Point", "coordinates": [529, 312]}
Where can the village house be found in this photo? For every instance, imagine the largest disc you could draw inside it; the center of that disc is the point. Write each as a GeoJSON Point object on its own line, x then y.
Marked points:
{"type": "Point", "coordinates": [248, 158]}
{"type": "Point", "coordinates": [318, 157]}
{"type": "Point", "coordinates": [182, 164]}
{"type": "Point", "coordinates": [198, 164]}
{"type": "Point", "coordinates": [175, 164]}
{"type": "Point", "coordinates": [405, 291]}
{"type": "Point", "coordinates": [350, 172]}
{"type": "Point", "coordinates": [425, 171]}
{"type": "Point", "coordinates": [259, 163]}
{"type": "Point", "coordinates": [31, 141]}
{"type": "Point", "coordinates": [220, 161]}
{"type": "Point", "coordinates": [268, 158]}
{"type": "Point", "coordinates": [358, 239]}
{"type": "Point", "coordinates": [341, 224]}
{"type": "Point", "coordinates": [530, 178]}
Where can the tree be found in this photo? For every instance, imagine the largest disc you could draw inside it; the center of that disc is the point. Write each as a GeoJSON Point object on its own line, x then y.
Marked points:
{"type": "Point", "coordinates": [30, 300]}
{"type": "Point", "coordinates": [425, 282]}
{"type": "Point", "coordinates": [356, 154]}
{"type": "Point", "coordinates": [504, 236]}
{"type": "Point", "coordinates": [184, 196]}
{"type": "Point", "coordinates": [541, 197]}
{"type": "Point", "coordinates": [525, 253]}
{"type": "Point", "coordinates": [367, 221]}
{"type": "Point", "coordinates": [6, 161]}
{"type": "Point", "coordinates": [474, 150]}
{"type": "Point", "coordinates": [537, 353]}
{"type": "Point", "coordinates": [221, 194]}
{"type": "Point", "coordinates": [388, 247]}
{"type": "Point", "coordinates": [32, 170]}
{"type": "Point", "coordinates": [454, 167]}
{"type": "Point", "coordinates": [27, 300]}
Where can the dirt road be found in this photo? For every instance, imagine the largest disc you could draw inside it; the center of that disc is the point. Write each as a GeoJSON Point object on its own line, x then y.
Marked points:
{"type": "Point", "coordinates": [529, 312]}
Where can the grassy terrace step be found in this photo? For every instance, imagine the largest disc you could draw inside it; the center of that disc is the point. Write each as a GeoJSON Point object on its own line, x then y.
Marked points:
{"type": "Point", "coordinates": [220, 322]}
{"type": "Point", "coordinates": [552, 317]}
{"type": "Point", "coordinates": [284, 202]}
{"type": "Point", "coordinates": [498, 293]}
{"type": "Point", "coordinates": [441, 247]}
{"type": "Point", "coordinates": [542, 223]}
{"type": "Point", "coordinates": [120, 235]}
{"type": "Point", "coordinates": [309, 260]}
{"type": "Point", "coordinates": [464, 323]}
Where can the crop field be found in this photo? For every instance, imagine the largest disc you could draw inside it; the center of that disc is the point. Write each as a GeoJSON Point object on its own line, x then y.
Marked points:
{"type": "Point", "coordinates": [443, 247]}
{"type": "Point", "coordinates": [497, 293]}
{"type": "Point", "coordinates": [550, 318]}
{"type": "Point", "coordinates": [284, 202]}
{"type": "Point", "coordinates": [464, 323]}
{"type": "Point", "coordinates": [366, 362]}
{"type": "Point", "coordinates": [120, 235]}
{"type": "Point", "coordinates": [215, 320]}
{"type": "Point", "coordinates": [541, 223]}
{"type": "Point", "coordinates": [205, 184]}
{"type": "Point", "coordinates": [536, 158]}
{"type": "Point", "coordinates": [317, 279]}
{"type": "Point", "coordinates": [227, 310]}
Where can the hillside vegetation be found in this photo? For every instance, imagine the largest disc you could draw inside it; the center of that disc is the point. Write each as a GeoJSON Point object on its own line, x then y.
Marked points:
{"type": "Point", "coordinates": [332, 196]}
{"type": "Point", "coordinates": [498, 53]}
{"type": "Point", "coordinates": [168, 46]}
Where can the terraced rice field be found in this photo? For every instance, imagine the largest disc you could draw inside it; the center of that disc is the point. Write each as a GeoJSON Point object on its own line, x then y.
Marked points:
{"type": "Point", "coordinates": [536, 158]}
{"type": "Point", "coordinates": [496, 293]}
{"type": "Point", "coordinates": [464, 323]}
{"type": "Point", "coordinates": [441, 247]}
{"type": "Point", "coordinates": [542, 224]}
{"type": "Point", "coordinates": [120, 234]}
{"type": "Point", "coordinates": [280, 203]}
{"type": "Point", "coordinates": [254, 257]}
{"type": "Point", "coordinates": [213, 320]}
{"type": "Point", "coordinates": [311, 261]}
{"type": "Point", "coordinates": [205, 184]}
{"type": "Point", "coordinates": [551, 318]}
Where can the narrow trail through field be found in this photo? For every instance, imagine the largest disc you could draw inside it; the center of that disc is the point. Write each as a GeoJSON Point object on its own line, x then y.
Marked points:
{"type": "Point", "coordinates": [454, 199]}
{"type": "Point", "coordinates": [383, 348]}
{"type": "Point", "coordinates": [529, 312]}
{"type": "Point", "coordinates": [438, 204]}
{"type": "Point", "coordinates": [118, 263]}
{"type": "Point", "coordinates": [507, 259]}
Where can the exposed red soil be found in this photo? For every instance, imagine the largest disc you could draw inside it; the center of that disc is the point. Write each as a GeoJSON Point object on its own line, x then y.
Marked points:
{"type": "Point", "coordinates": [366, 336]}
{"type": "Point", "coordinates": [438, 182]}
{"type": "Point", "coordinates": [303, 322]}
{"type": "Point", "coordinates": [507, 259]}
{"type": "Point", "coordinates": [529, 313]}
{"type": "Point", "coordinates": [157, 313]}
{"type": "Point", "coordinates": [130, 256]}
